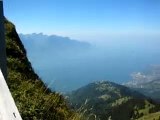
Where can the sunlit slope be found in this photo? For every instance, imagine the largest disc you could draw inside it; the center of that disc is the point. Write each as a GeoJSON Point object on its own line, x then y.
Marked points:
{"type": "Point", "coordinates": [33, 99]}
{"type": "Point", "coordinates": [109, 100]}
{"type": "Point", "coordinates": [153, 116]}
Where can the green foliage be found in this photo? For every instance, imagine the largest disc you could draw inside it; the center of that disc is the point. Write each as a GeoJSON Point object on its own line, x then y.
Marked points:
{"type": "Point", "coordinates": [120, 101]}
{"type": "Point", "coordinates": [33, 99]}
{"type": "Point", "coordinates": [106, 100]}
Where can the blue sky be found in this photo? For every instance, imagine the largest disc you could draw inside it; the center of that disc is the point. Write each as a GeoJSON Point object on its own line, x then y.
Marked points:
{"type": "Point", "coordinates": [85, 19]}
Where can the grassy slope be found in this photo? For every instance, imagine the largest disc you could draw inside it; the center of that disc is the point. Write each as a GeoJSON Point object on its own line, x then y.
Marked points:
{"type": "Point", "coordinates": [108, 100]}
{"type": "Point", "coordinates": [33, 99]}
{"type": "Point", "coordinates": [153, 116]}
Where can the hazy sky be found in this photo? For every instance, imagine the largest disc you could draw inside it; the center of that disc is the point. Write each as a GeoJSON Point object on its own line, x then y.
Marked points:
{"type": "Point", "coordinates": [85, 19]}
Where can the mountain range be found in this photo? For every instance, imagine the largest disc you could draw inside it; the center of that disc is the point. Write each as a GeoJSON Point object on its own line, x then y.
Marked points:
{"type": "Point", "coordinates": [41, 42]}
{"type": "Point", "coordinates": [66, 64]}
{"type": "Point", "coordinates": [56, 58]}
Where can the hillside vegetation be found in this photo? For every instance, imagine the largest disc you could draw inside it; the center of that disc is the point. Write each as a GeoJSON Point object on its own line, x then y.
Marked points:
{"type": "Point", "coordinates": [106, 100]}
{"type": "Point", "coordinates": [33, 99]}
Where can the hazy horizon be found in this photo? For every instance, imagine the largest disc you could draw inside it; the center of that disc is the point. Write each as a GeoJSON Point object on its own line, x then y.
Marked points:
{"type": "Point", "coordinates": [58, 60]}
{"type": "Point", "coordinates": [85, 20]}
{"type": "Point", "coordinates": [123, 34]}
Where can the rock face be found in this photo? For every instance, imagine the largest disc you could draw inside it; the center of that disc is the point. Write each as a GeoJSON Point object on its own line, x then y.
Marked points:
{"type": "Point", "coordinates": [109, 100]}
{"type": "Point", "coordinates": [33, 99]}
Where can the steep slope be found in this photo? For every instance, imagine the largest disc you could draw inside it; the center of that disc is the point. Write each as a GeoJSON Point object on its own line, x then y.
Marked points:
{"type": "Point", "coordinates": [106, 100]}
{"type": "Point", "coordinates": [33, 99]}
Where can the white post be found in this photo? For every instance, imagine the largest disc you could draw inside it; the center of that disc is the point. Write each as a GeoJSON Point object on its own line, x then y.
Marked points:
{"type": "Point", "coordinates": [3, 63]}
{"type": "Point", "coordinates": [8, 109]}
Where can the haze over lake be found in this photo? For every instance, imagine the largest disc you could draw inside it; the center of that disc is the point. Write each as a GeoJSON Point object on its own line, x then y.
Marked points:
{"type": "Point", "coordinates": [68, 64]}
{"type": "Point", "coordinates": [87, 40]}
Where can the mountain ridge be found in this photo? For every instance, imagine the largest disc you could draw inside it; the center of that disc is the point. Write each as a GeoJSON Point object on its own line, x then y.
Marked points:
{"type": "Point", "coordinates": [107, 100]}
{"type": "Point", "coordinates": [54, 40]}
